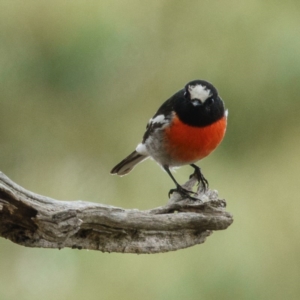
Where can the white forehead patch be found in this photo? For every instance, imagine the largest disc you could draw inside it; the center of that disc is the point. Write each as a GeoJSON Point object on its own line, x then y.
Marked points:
{"type": "Point", "coordinates": [199, 92]}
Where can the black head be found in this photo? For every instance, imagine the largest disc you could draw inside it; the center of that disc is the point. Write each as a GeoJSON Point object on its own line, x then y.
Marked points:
{"type": "Point", "coordinates": [198, 91]}
{"type": "Point", "coordinates": [200, 104]}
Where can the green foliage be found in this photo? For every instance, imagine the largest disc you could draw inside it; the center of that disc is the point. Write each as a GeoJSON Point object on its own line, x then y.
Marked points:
{"type": "Point", "coordinates": [79, 81]}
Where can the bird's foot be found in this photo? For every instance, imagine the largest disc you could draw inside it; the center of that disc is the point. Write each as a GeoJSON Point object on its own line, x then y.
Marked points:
{"type": "Point", "coordinates": [183, 193]}
{"type": "Point", "coordinates": [200, 178]}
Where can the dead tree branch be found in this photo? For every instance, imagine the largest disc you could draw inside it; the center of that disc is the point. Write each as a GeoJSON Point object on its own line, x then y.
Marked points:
{"type": "Point", "coordinates": [33, 220]}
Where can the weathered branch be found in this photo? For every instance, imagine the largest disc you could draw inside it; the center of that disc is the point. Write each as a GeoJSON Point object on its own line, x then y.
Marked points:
{"type": "Point", "coordinates": [33, 220]}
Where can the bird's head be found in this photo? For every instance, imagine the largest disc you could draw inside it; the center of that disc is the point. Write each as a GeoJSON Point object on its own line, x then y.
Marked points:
{"type": "Point", "coordinates": [198, 91]}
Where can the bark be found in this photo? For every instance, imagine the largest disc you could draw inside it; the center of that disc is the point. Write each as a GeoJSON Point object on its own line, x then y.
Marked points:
{"type": "Point", "coordinates": [33, 220]}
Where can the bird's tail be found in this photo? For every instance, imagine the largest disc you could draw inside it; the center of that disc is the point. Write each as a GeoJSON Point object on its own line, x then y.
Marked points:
{"type": "Point", "coordinates": [128, 163]}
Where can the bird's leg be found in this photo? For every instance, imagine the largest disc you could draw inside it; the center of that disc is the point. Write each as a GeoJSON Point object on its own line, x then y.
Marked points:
{"type": "Point", "coordinates": [179, 189]}
{"type": "Point", "coordinates": [199, 176]}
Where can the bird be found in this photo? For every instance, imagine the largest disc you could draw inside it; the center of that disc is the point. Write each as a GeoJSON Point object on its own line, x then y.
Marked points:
{"type": "Point", "coordinates": [185, 129]}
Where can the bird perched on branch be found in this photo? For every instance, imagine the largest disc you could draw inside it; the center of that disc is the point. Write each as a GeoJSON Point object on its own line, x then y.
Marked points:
{"type": "Point", "coordinates": [185, 129]}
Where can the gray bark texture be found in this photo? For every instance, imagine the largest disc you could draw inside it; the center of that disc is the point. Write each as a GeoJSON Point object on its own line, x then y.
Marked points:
{"type": "Point", "coordinates": [33, 220]}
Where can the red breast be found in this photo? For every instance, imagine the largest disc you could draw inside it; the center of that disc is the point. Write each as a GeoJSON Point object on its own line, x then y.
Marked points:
{"type": "Point", "coordinates": [189, 144]}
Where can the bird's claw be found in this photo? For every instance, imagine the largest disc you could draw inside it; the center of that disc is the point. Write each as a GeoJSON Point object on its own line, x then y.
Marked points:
{"type": "Point", "coordinates": [183, 192]}
{"type": "Point", "coordinates": [200, 178]}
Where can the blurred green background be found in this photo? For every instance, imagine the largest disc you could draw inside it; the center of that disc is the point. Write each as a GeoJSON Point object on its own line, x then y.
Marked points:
{"type": "Point", "coordinates": [78, 82]}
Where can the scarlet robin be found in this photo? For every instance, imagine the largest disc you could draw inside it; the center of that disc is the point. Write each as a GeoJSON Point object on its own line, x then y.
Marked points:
{"type": "Point", "coordinates": [185, 129]}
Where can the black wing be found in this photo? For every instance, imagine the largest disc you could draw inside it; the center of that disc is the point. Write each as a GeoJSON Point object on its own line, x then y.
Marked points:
{"type": "Point", "coordinates": [166, 110]}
